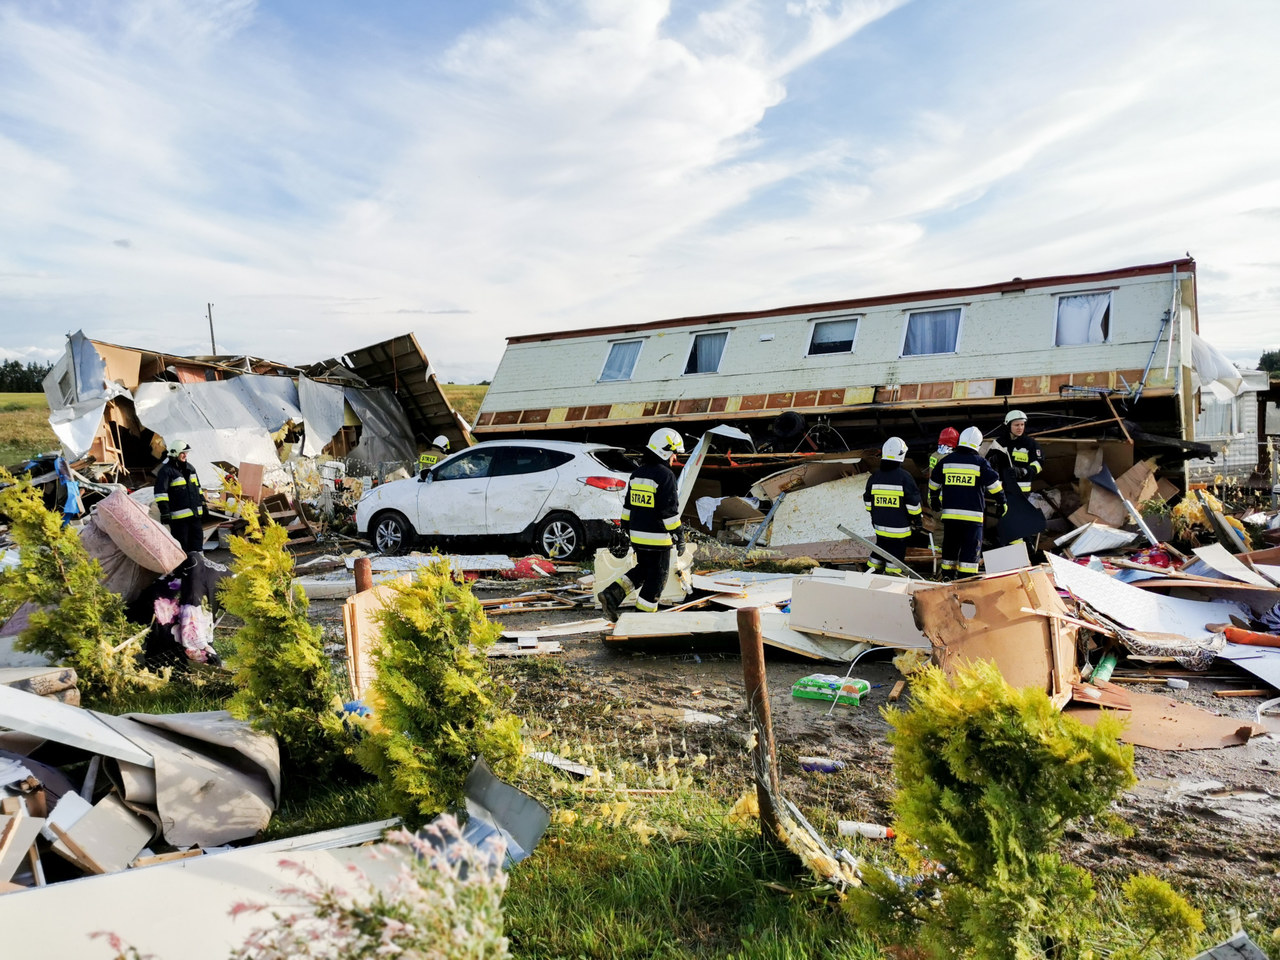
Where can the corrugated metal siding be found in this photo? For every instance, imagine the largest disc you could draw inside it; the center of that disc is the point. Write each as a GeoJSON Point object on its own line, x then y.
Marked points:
{"type": "Point", "coordinates": [1009, 335]}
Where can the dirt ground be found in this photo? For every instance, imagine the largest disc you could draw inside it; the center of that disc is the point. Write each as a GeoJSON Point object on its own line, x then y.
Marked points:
{"type": "Point", "coordinates": [1207, 820]}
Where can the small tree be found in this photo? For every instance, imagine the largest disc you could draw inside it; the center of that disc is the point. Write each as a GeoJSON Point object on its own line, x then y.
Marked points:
{"type": "Point", "coordinates": [1270, 361]}
{"type": "Point", "coordinates": [285, 685]}
{"type": "Point", "coordinates": [78, 621]}
{"type": "Point", "coordinates": [432, 697]}
{"type": "Point", "coordinates": [989, 778]}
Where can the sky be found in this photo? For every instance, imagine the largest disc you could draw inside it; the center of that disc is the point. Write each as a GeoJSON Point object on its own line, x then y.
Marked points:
{"type": "Point", "coordinates": [328, 174]}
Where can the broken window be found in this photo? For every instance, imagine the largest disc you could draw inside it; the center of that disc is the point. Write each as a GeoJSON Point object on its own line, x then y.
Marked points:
{"type": "Point", "coordinates": [469, 466]}
{"type": "Point", "coordinates": [1083, 318]}
{"type": "Point", "coordinates": [704, 355]}
{"type": "Point", "coordinates": [833, 336]}
{"type": "Point", "coordinates": [621, 361]}
{"type": "Point", "coordinates": [932, 331]}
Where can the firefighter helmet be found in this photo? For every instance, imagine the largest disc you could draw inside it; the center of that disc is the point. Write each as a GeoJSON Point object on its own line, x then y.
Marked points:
{"type": "Point", "coordinates": [894, 449]}
{"type": "Point", "coordinates": [1014, 415]}
{"type": "Point", "coordinates": [665, 442]}
{"type": "Point", "coordinates": [971, 438]}
{"type": "Point", "coordinates": [949, 437]}
{"type": "Point", "coordinates": [177, 447]}
{"type": "Point", "coordinates": [442, 442]}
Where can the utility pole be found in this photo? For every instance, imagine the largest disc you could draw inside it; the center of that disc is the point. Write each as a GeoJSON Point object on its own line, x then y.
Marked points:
{"type": "Point", "coordinates": [212, 342]}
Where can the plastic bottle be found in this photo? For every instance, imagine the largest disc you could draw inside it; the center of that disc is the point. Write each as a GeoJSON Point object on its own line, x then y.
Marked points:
{"type": "Point", "coordinates": [856, 828]}
{"type": "Point", "coordinates": [821, 764]}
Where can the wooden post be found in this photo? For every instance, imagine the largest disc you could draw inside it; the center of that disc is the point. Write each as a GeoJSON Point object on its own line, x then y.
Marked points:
{"type": "Point", "coordinates": [764, 758]}
{"type": "Point", "coordinates": [364, 574]}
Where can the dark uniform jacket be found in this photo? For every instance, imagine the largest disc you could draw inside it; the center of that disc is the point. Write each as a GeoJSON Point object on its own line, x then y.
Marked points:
{"type": "Point", "coordinates": [651, 505]}
{"type": "Point", "coordinates": [1018, 455]}
{"type": "Point", "coordinates": [178, 493]}
{"type": "Point", "coordinates": [893, 499]}
{"type": "Point", "coordinates": [962, 481]}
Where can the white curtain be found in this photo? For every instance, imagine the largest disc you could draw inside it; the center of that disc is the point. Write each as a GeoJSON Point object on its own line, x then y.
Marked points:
{"type": "Point", "coordinates": [934, 331]}
{"type": "Point", "coordinates": [705, 355]}
{"type": "Point", "coordinates": [1082, 319]}
{"type": "Point", "coordinates": [622, 360]}
{"type": "Point", "coordinates": [1216, 417]}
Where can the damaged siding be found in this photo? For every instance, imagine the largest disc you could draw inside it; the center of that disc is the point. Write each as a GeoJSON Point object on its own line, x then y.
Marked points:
{"type": "Point", "coordinates": [1005, 348]}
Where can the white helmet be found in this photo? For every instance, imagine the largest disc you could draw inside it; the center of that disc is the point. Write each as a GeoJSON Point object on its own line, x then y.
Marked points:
{"type": "Point", "coordinates": [177, 447]}
{"type": "Point", "coordinates": [665, 442]}
{"type": "Point", "coordinates": [895, 449]}
{"type": "Point", "coordinates": [1013, 415]}
{"type": "Point", "coordinates": [442, 442]}
{"type": "Point", "coordinates": [971, 438]}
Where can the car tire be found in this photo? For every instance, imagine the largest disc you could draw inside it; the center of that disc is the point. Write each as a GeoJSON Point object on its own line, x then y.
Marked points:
{"type": "Point", "coordinates": [391, 533]}
{"type": "Point", "coordinates": [560, 536]}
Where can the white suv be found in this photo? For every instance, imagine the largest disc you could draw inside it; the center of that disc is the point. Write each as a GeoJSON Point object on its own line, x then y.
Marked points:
{"type": "Point", "coordinates": [562, 497]}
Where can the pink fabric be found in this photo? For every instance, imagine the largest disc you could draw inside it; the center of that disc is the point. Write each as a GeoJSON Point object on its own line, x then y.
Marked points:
{"type": "Point", "coordinates": [143, 540]}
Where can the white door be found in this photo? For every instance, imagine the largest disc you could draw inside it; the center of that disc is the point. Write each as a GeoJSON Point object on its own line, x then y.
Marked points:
{"type": "Point", "coordinates": [451, 503]}
{"type": "Point", "coordinates": [520, 482]}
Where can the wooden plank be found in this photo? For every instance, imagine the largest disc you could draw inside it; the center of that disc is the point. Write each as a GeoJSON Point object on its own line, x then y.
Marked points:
{"type": "Point", "coordinates": [152, 861]}
{"type": "Point", "coordinates": [1243, 693]}
{"type": "Point", "coordinates": [896, 692]}
{"type": "Point", "coordinates": [73, 852]}
{"type": "Point", "coordinates": [19, 837]}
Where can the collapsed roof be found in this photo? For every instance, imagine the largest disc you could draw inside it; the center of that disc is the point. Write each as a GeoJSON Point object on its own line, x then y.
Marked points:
{"type": "Point", "coordinates": [122, 405]}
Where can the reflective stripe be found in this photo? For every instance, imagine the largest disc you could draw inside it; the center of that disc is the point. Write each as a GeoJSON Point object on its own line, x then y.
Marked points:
{"type": "Point", "coordinates": [181, 514]}
{"type": "Point", "coordinates": [646, 538]}
{"type": "Point", "coordinates": [914, 510]}
{"type": "Point", "coordinates": [962, 468]}
{"type": "Point", "coordinates": [671, 523]}
{"type": "Point", "coordinates": [973, 516]}
{"type": "Point", "coordinates": [640, 483]}
{"type": "Point", "coordinates": [896, 533]}
{"type": "Point", "coordinates": [948, 564]}
{"type": "Point", "coordinates": [967, 567]}
{"type": "Point", "coordinates": [892, 569]}
{"type": "Point", "coordinates": [178, 482]}
{"type": "Point", "coordinates": [626, 514]}
{"type": "Point", "coordinates": [646, 606]}
{"type": "Point", "coordinates": [1024, 486]}
{"type": "Point", "coordinates": [162, 496]}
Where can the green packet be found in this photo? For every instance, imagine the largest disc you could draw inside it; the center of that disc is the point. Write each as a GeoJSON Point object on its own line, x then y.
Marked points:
{"type": "Point", "coordinates": [824, 686]}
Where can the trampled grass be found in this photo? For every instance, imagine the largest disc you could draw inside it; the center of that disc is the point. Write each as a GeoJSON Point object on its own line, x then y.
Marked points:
{"type": "Point", "coordinates": [24, 427]}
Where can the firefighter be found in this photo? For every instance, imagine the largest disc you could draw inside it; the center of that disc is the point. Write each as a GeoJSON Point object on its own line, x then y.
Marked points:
{"type": "Point", "coordinates": [439, 448]}
{"type": "Point", "coordinates": [180, 499]}
{"type": "Point", "coordinates": [893, 500]}
{"type": "Point", "coordinates": [958, 486]}
{"type": "Point", "coordinates": [1015, 456]}
{"type": "Point", "coordinates": [947, 441]}
{"type": "Point", "coordinates": [651, 519]}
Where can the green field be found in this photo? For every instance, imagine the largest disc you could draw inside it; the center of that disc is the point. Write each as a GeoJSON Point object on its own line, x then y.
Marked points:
{"type": "Point", "coordinates": [466, 398]}
{"type": "Point", "coordinates": [24, 427]}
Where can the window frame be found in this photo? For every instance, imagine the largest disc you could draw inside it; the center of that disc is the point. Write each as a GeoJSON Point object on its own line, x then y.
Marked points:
{"type": "Point", "coordinates": [609, 354]}
{"type": "Point", "coordinates": [458, 458]}
{"type": "Point", "coordinates": [693, 346]}
{"type": "Point", "coordinates": [1109, 293]}
{"type": "Point", "coordinates": [509, 452]}
{"type": "Point", "coordinates": [906, 327]}
{"type": "Point", "coordinates": [819, 321]}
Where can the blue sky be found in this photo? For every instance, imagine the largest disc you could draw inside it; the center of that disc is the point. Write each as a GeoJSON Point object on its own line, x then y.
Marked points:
{"type": "Point", "coordinates": [328, 173]}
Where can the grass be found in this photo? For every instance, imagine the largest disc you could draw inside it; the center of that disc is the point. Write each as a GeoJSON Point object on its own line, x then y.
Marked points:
{"type": "Point", "coordinates": [466, 398]}
{"type": "Point", "coordinates": [24, 427]}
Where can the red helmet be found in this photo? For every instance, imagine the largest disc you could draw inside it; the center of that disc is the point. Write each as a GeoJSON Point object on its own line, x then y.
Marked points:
{"type": "Point", "coordinates": [949, 437]}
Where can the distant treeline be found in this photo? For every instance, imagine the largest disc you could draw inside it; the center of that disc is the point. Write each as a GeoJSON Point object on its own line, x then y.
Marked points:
{"type": "Point", "coordinates": [17, 378]}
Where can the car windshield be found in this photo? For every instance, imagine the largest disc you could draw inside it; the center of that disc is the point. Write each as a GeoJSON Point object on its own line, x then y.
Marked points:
{"type": "Point", "coordinates": [611, 458]}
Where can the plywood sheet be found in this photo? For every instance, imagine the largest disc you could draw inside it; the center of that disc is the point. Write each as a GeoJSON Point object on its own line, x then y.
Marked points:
{"type": "Point", "coordinates": [859, 609]}
{"type": "Point", "coordinates": [1215, 555]}
{"type": "Point", "coordinates": [360, 622]}
{"type": "Point", "coordinates": [1163, 723]}
{"type": "Point", "coordinates": [110, 833]}
{"type": "Point", "coordinates": [812, 514]}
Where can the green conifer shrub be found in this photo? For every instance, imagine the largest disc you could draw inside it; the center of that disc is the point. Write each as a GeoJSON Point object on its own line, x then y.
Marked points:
{"type": "Point", "coordinates": [78, 621]}
{"type": "Point", "coordinates": [989, 779]}
{"type": "Point", "coordinates": [434, 703]}
{"type": "Point", "coordinates": [285, 684]}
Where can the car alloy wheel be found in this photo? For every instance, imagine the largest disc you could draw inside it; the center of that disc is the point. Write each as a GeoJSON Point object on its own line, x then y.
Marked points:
{"type": "Point", "coordinates": [390, 535]}
{"type": "Point", "coordinates": [560, 537]}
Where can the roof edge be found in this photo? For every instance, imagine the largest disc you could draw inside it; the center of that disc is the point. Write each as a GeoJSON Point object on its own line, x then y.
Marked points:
{"type": "Point", "coordinates": [1007, 286]}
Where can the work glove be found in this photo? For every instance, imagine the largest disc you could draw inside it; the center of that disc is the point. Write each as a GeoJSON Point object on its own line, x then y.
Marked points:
{"type": "Point", "coordinates": [164, 518]}
{"type": "Point", "coordinates": [935, 502]}
{"type": "Point", "coordinates": [677, 538]}
{"type": "Point", "coordinates": [1022, 472]}
{"type": "Point", "coordinates": [619, 542]}
{"type": "Point", "coordinates": [917, 524]}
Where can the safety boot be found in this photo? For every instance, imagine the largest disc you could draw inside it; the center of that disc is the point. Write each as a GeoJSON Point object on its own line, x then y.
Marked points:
{"type": "Point", "coordinates": [611, 598]}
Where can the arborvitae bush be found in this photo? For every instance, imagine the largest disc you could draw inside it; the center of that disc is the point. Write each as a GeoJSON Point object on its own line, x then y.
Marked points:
{"type": "Point", "coordinates": [434, 703]}
{"type": "Point", "coordinates": [79, 621]}
{"type": "Point", "coordinates": [285, 685]}
{"type": "Point", "coordinates": [989, 779]}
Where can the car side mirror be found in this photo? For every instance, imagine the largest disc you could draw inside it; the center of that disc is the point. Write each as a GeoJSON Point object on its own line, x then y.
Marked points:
{"type": "Point", "coordinates": [425, 475]}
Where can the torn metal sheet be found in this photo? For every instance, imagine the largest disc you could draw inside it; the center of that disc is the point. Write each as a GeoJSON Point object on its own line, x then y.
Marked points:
{"type": "Point", "coordinates": [1219, 562]}
{"type": "Point", "coordinates": [1140, 609]}
{"type": "Point", "coordinates": [807, 474]}
{"type": "Point", "coordinates": [693, 465]}
{"type": "Point", "coordinates": [386, 435]}
{"type": "Point", "coordinates": [1095, 537]}
{"type": "Point", "coordinates": [323, 413]}
{"type": "Point", "coordinates": [1262, 662]}
{"type": "Point", "coordinates": [49, 720]}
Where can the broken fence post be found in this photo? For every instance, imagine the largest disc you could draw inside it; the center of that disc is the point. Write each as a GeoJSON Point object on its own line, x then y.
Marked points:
{"type": "Point", "coordinates": [764, 758]}
{"type": "Point", "coordinates": [364, 574]}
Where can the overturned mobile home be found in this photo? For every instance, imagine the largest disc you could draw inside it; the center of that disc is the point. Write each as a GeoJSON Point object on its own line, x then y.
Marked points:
{"type": "Point", "coordinates": [119, 406]}
{"type": "Point", "coordinates": [1101, 351]}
